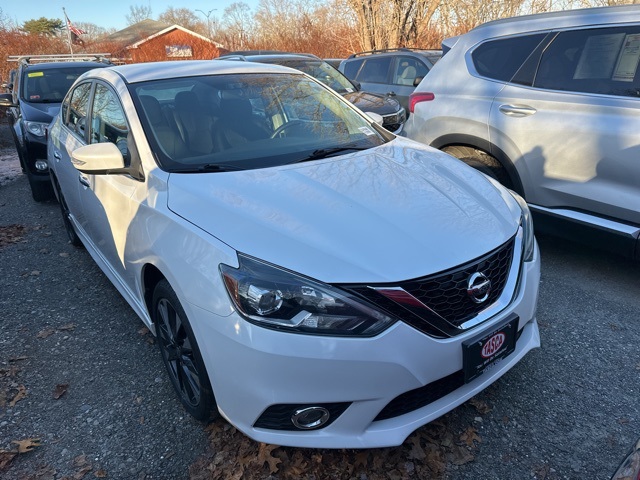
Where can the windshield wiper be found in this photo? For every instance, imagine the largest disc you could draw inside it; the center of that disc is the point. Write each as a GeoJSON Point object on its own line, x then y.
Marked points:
{"type": "Point", "coordinates": [327, 152]}
{"type": "Point", "coordinates": [211, 167]}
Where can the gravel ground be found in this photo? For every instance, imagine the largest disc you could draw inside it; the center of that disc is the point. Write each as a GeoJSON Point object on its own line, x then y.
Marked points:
{"type": "Point", "coordinates": [80, 373]}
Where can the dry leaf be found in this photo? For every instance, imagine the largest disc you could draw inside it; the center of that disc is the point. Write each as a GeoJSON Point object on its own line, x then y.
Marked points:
{"type": "Point", "coordinates": [63, 254]}
{"type": "Point", "coordinates": [469, 436]}
{"type": "Point", "coordinates": [481, 407]}
{"type": "Point", "coordinates": [461, 455]}
{"type": "Point", "coordinates": [22, 394]}
{"type": "Point", "coordinates": [27, 444]}
{"type": "Point", "coordinates": [100, 473]}
{"type": "Point", "coordinates": [60, 390]}
{"type": "Point", "coordinates": [17, 359]}
{"type": "Point", "coordinates": [67, 327]}
{"type": "Point", "coordinates": [79, 475]}
{"type": "Point", "coordinates": [144, 331]}
{"type": "Point", "coordinates": [35, 273]}
{"type": "Point", "coordinates": [80, 461]}
{"type": "Point", "coordinates": [46, 333]}
{"type": "Point", "coordinates": [362, 458]}
{"type": "Point", "coordinates": [264, 456]}
{"type": "Point", "coordinates": [417, 452]}
{"type": "Point", "coordinates": [5, 459]}
{"type": "Point", "coordinates": [623, 421]}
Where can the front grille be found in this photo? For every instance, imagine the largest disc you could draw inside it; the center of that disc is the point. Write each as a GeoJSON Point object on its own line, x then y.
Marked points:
{"type": "Point", "coordinates": [444, 304]}
{"type": "Point", "coordinates": [446, 293]}
{"type": "Point", "coordinates": [278, 417]}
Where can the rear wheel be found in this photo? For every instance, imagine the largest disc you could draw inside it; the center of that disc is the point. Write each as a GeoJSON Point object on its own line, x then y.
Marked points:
{"type": "Point", "coordinates": [482, 162]}
{"type": "Point", "coordinates": [181, 355]}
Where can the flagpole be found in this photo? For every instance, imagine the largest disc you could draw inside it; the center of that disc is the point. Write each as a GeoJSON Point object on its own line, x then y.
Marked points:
{"type": "Point", "coordinates": [68, 30]}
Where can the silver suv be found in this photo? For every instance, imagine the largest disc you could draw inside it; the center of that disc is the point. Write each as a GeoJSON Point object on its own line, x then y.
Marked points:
{"type": "Point", "coordinates": [549, 105]}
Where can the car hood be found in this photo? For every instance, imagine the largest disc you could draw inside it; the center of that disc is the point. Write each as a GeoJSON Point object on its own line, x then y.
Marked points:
{"type": "Point", "coordinates": [370, 102]}
{"type": "Point", "coordinates": [395, 212]}
{"type": "Point", "coordinates": [39, 112]}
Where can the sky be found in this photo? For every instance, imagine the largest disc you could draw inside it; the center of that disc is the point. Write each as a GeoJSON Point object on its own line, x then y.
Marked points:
{"type": "Point", "coordinates": [107, 13]}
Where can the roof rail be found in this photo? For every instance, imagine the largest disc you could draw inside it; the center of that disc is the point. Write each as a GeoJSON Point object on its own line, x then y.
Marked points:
{"type": "Point", "coordinates": [84, 57]}
{"type": "Point", "coordinates": [382, 50]}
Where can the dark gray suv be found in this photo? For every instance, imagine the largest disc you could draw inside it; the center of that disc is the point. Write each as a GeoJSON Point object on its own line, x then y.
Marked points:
{"type": "Point", "coordinates": [393, 71]}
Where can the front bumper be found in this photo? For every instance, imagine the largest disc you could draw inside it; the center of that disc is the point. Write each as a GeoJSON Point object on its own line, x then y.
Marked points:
{"type": "Point", "coordinates": [252, 368]}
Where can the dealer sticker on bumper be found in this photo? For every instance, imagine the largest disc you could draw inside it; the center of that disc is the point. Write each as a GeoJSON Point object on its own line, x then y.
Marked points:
{"type": "Point", "coordinates": [481, 353]}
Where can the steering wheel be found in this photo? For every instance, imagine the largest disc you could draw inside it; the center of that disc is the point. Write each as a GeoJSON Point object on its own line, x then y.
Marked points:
{"type": "Point", "coordinates": [285, 126]}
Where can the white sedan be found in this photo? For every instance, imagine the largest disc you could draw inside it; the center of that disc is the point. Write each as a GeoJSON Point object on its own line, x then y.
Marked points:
{"type": "Point", "coordinates": [309, 276]}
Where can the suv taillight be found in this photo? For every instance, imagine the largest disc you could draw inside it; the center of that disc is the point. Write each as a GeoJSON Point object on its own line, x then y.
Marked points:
{"type": "Point", "coordinates": [417, 97]}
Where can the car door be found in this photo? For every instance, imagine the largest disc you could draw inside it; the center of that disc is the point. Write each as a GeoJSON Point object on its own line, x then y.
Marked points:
{"type": "Point", "coordinates": [68, 134]}
{"type": "Point", "coordinates": [111, 201]}
{"type": "Point", "coordinates": [575, 131]}
{"type": "Point", "coordinates": [371, 72]}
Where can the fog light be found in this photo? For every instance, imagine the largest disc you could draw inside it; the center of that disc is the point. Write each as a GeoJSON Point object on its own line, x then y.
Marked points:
{"type": "Point", "coordinates": [310, 417]}
{"type": "Point", "coordinates": [41, 165]}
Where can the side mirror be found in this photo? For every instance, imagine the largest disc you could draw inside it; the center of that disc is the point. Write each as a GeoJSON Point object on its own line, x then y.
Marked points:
{"type": "Point", "coordinates": [6, 100]}
{"type": "Point", "coordinates": [376, 117]}
{"type": "Point", "coordinates": [98, 159]}
{"type": "Point", "coordinates": [416, 81]}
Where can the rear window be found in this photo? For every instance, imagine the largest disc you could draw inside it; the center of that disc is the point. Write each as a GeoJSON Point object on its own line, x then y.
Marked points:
{"type": "Point", "coordinates": [501, 59]}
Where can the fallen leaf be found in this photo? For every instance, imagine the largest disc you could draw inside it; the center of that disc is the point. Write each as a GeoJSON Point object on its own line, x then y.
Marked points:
{"type": "Point", "coordinates": [60, 390]}
{"type": "Point", "coordinates": [469, 436]}
{"type": "Point", "coordinates": [144, 331]}
{"type": "Point", "coordinates": [541, 471]}
{"type": "Point", "coordinates": [35, 273]}
{"type": "Point", "coordinates": [63, 254]}
{"type": "Point", "coordinates": [480, 406]}
{"type": "Point", "coordinates": [264, 456]}
{"type": "Point", "coordinates": [17, 359]}
{"type": "Point", "coordinates": [27, 444]}
{"type": "Point", "coordinates": [79, 475]}
{"type": "Point", "coordinates": [623, 421]}
{"type": "Point", "coordinates": [461, 456]}
{"type": "Point", "coordinates": [22, 394]}
{"type": "Point", "coordinates": [11, 234]}
{"type": "Point", "coordinates": [362, 458]}
{"type": "Point", "coordinates": [417, 452]}
{"type": "Point", "coordinates": [100, 473]}
{"type": "Point", "coordinates": [5, 459]}
{"type": "Point", "coordinates": [67, 327]}
{"type": "Point", "coordinates": [80, 461]}
{"type": "Point", "coordinates": [45, 333]}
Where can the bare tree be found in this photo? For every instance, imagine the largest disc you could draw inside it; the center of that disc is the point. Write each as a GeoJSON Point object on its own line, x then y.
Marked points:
{"type": "Point", "coordinates": [237, 25]}
{"type": "Point", "coordinates": [137, 13]}
{"type": "Point", "coordinates": [185, 18]}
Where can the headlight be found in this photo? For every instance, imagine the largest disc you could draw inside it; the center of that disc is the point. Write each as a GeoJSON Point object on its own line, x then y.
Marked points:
{"type": "Point", "coordinates": [36, 128]}
{"type": "Point", "coordinates": [527, 227]}
{"type": "Point", "coordinates": [276, 298]}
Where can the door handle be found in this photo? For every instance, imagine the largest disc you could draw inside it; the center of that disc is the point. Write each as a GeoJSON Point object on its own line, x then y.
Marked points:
{"type": "Point", "coordinates": [84, 181]}
{"type": "Point", "coordinates": [517, 110]}
{"type": "Point", "coordinates": [57, 156]}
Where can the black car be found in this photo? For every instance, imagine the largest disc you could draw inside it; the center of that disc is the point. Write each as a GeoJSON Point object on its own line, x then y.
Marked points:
{"type": "Point", "coordinates": [37, 89]}
{"type": "Point", "coordinates": [392, 113]}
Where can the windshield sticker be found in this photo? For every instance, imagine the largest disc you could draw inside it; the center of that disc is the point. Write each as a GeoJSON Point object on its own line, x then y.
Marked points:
{"type": "Point", "coordinates": [34, 97]}
{"type": "Point", "coordinates": [349, 90]}
{"type": "Point", "coordinates": [367, 131]}
{"type": "Point", "coordinates": [625, 69]}
{"type": "Point", "coordinates": [35, 74]}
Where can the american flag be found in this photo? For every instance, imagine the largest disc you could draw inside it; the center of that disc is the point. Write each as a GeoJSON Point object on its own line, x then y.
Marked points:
{"type": "Point", "coordinates": [73, 29]}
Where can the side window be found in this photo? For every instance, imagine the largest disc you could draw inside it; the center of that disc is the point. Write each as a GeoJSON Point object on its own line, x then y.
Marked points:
{"type": "Point", "coordinates": [603, 60]}
{"type": "Point", "coordinates": [351, 68]}
{"type": "Point", "coordinates": [108, 123]}
{"type": "Point", "coordinates": [375, 70]}
{"type": "Point", "coordinates": [501, 59]}
{"type": "Point", "coordinates": [76, 117]}
{"type": "Point", "coordinates": [407, 69]}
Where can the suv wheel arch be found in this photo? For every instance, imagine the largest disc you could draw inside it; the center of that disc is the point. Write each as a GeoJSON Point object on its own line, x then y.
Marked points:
{"type": "Point", "coordinates": [464, 146]}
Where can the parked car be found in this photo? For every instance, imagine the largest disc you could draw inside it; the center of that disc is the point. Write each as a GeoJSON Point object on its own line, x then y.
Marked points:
{"type": "Point", "coordinates": [393, 115]}
{"type": "Point", "coordinates": [334, 62]}
{"type": "Point", "coordinates": [392, 71]}
{"type": "Point", "coordinates": [311, 276]}
{"type": "Point", "coordinates": [36, 90]}
{"type": "Point", "coordinates": [548, 105]}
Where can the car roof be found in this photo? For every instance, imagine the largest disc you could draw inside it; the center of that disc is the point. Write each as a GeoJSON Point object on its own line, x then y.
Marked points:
{"type": "Point", "coordinates": [597, 16]}
{"type": "Point", "coordinates": [396, 51]}
{"type": "Point", "coordinates": [269, 56]}
{"type": "Point", "coordinates": [142, 72]}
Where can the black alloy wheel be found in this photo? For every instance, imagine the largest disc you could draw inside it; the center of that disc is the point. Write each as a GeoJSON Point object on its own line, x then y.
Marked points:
{"type": "Point", "coordinates": [74, 239]}
{"type": "Point", "coordinates": [181, 355]}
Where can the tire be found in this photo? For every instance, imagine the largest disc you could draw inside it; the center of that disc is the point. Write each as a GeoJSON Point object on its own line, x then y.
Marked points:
{"type": "Point", "coordinates": [482, 162]}
{"type": "Point", "coordinates": [181, 355]}
{"type": "Point", "coordinates": [40, 191]}
{"type": "Point", "coordinates": [74, 239]}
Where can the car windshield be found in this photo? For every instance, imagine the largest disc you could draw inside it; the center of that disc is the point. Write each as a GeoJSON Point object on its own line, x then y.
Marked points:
{"type": "Point", "coordinates": [246, 121]}
{"type": "Point", "coordinates": [49, 85]}
{"type": "Point", "coordinates": [322, 72]}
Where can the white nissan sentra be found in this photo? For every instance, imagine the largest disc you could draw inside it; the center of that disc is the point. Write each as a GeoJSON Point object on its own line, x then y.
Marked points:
{"type": "Point", "coordinates": [309, 276]}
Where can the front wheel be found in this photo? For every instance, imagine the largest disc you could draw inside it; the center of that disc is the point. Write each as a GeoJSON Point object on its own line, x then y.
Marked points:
{"type": "Point", "coordinates": [74, 239]}
{"type": "Point", "coordinates": [181, 355]}
{"type": "Point", "coordinates": [482, 162]}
